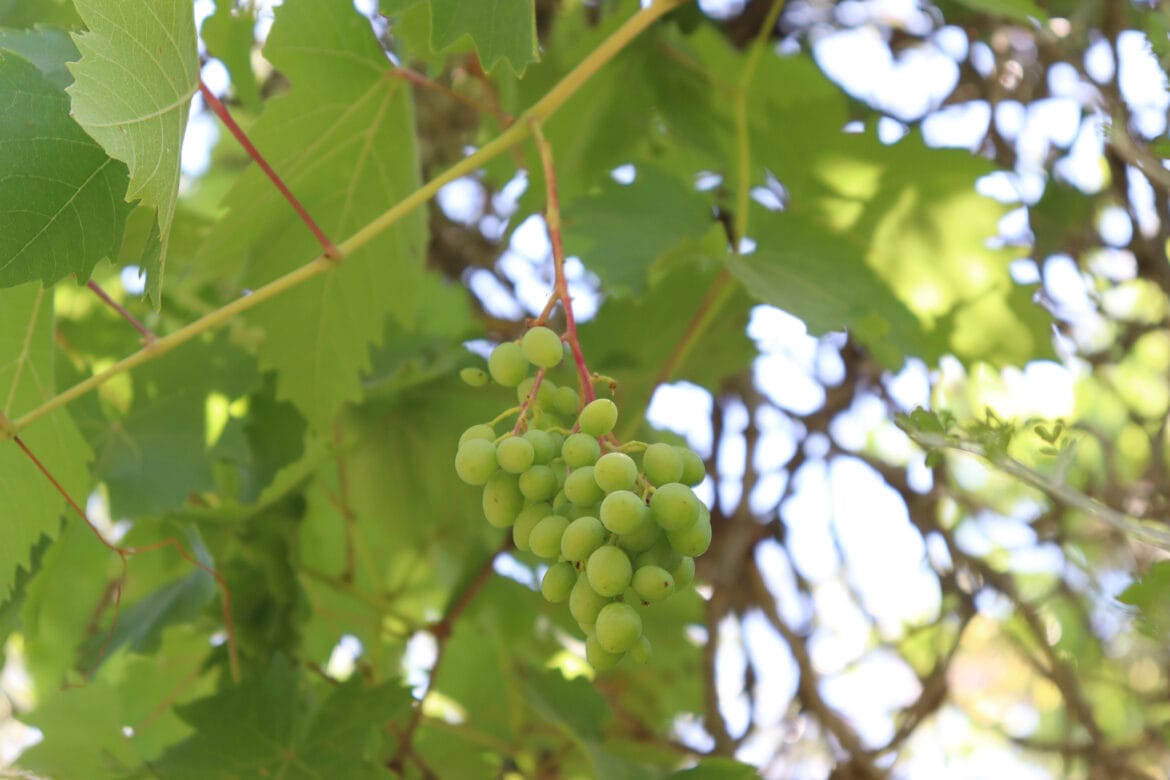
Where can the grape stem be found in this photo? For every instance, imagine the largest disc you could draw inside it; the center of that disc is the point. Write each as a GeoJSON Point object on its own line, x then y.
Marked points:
{"type": "Point", "coordinates": [552, 220]}
{"type": "Point", "coordinates": [516, 429]}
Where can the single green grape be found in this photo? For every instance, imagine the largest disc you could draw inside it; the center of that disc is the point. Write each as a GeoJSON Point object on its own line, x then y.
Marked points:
{"type": "Point", "coordinates": [597, 656]}
{"type": "Point", "coordinates": [661, 464]}
{"type": "Point", "coordinates": [653, 583]}
{"type": "Point", "coordinates": [587, 510]}
{"type": "Point", "coordinates": [507, 364]}
{"type": "Point", "coordinates": [675, 507]}
{"type": "Point", "coordinates": [539, 483]}
{"type": "Point", "coordinates": [693, 468]}
{"type": "Point", "coordinates": [545, 539]}
{"type": "Point", "coordinates": [546, 395]}
{"type": "Point", "coordinates": [618, 627]}
{"type": "Point", "coordinates": [475, 461]}
{"type": "Point", "coordinates": [580, 449]}
{"type": "Point", "coordinates": [615, 471]}
{"type": "Point", "coordinates": [515, 454]}
{"type": "Point", "coordinates": [598, 417]}
{"type": "Point", "coordinates": [683, 573]}
{"type": "Point", "coordinates": [478, 432]}
{"type": "Point", "coordinates": [475, 377]}
{"type": "Point", "coordinates": [661, 554]}
{"type": "Point", "coordinates": [609, 570]}
{"type": "Point", "coordinates": [567, 402]}
{"type": "Point", "coordinates": [502, 499]}
{"type": "Point", "coordinates": [622, 512]}
{"type": "Point", "coordinates": [641, 651]}
{"type": "Point", "coordinates": [581, 487]}
{"type": "Point", "coordinates": [642, 538]}
{"type": "Point", "coordinates": [525, 521]}
{"type": "Point", "coordinates": [584, 602]}
{"type": "Point", "coordinates": [542, 347]}
{"type": "Point", "coordinates": [544, 447]}
{"type": "Point", "coordinates": [558, 582]}
{"type": "Point", "coordinates": [581, 538]}
{"type": "Point", "coordinates": [524, 388]}
{"type": "Point", "coordinates": [695, 540]}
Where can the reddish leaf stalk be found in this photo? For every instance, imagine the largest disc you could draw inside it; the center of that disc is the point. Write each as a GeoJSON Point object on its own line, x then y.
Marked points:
{"type": "Point", "coordinates": [552, 219]}
{"type": "Point", "coordinates": [148, 336]}
{"type": "Point", "coordinates": [124, 554]}
{"type": "Point", "coordinates": [330, 250]}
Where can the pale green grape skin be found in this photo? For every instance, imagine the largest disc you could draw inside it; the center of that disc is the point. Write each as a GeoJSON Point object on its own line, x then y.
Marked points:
{"type": "Point", "coordinates": [525, 521]}
{"type": "Point", "coordinates": [653, 583]}
{"type": "Point", "coordinates": [545, 539]}
{"type": "Point", "coordinates": [615, 471]}
{"type": "Point", "coordinates": [661, 554]}
{"type": "Point", "coordinates": [575, 511]}
{"type": "Point", "coordinates": [683, 573]}
{"type": "Point", "coordinates": [478, 432]}
{"type": "Point", "coordinates": [675, 507]}
{"type": "Point", "coordinates": [661, 464]}
{"type": "Point", "coordinates": [695, 540]}
{"type": "Point", "coordinates": [643, 538]}
{"type": "Point", "coordinates": [585, 603]}
{"type": "Point", "coordinates": [609, 570]}
{"type": "Point", "coordinates": [475, 377]}
{"type": "Point", "coordinates": [515, 454]}
{"type": "Point", "coordinates": [502, 499]}
{"type": "Point", "coordinates": [641, 651]}
{"type": "Point", "coordinates": [524, 388]}
{"type": "Point", "coordinates": [542, 347]}
{"type": "Point", "coordinates": [581, 538]}
{"type": "Point", "coordinates": [693, 469]}
{"type": "Point", "coordinates": [567, 401]}
{"type": "Point", "coordinates": [618, 627]}
{"type": "Point", "coordinates": [507, 364]}
{"type": "Point", "coordinates": [546, 395]}
{"type": "Point", "coordinates": [598, 657]}
{"type": "Point", "coordinates": [581, 487]}
{"type": "Point", "coordinates": [558, 582]}
{"type": "Point", "coordinates": [543, 445]}
{"type": "Point", "coordinates": [475, 461]}
{"type": "Point", "coordinates": [539, 483]}
{"type": "Point", "coordinates": [561, 503]}
{"type": "Point", "coordinates": [580, 449]}
{"type": "Point", "coordinates": [623, 512]}
{"type": "Point", "coordinates": [598, 417]}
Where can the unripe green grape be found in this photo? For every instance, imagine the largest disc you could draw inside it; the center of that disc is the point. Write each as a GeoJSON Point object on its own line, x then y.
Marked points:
{"type": "Point", "coordinates": [502, 499]}
{"type": "Point", "coordinates": [525, 521]}
{"type": "Point", "coordinates": [475, 461]}
{"type": "Point", "coordinates": [683, 573]}
{"type": "Point", "coordinates": [615, 471]}
{"type": "Point", "coordinates": [544, 448]}
{"type": "Point", "coordinates": [567, 401]}
{"type": "Point", "coordinates": [542, 347]}
{"type": "Point", "coordinates": [539, 483]}
{"type": "Point", "coordinates": [581, 538]}
{"type": "Point", "coordinates": [581, 487]}
{"type": "Point", "coordinates": [546, 395]}
{"type": "Point", "coordinates": [546, 420]}
{"type": "Point", "coordinates": [560, 503]}
{"type": "Point", "coordinates": [507, 364]}
{"type": "Point", "coordinates": [675, 506]}
{"type": "Point", "coordinates": [545, 539]}
{"type": "Point", "coordinates": [641, 651]}
{"type": "Point", "coordinates": [478, 432]}
{"type": "Point", "coordinates": [585, 603]}
{"type": "Point", "coordinates": [661, 554]}
{"type": "Point", "coordinates": [515, 454]}
{"type": "Point", "coordinates": [524, 388]}
{"type": "Point", "coordinates": [588, 510]}
{"type": "Point", "coordinates": [609, 570]}
{"type": "Point", "coordinates": [693, 468]}
{"type": "Point", "coordinates": [622, 512]}
{"type": "Point", "coordinates": [618, 627]}
{"type": "Point", "coordinates": [644, 537]}
{"type": "Point", "coordinates": [558, 582]}
{"type": "Point", "coordinates": [475, 377]}
{"type": "Point", "coordinates": [580, 449]}
{"type": "Point", "coordinates": [652, 583]}
{"type": "Point", "coordinates": [661, 464]}
{"type": "Point", "coordinates": [598, 417]}
{"type": "Point", "coordinates": [598, 657]}
{"type": "Point", "coordinates": [695, 540]}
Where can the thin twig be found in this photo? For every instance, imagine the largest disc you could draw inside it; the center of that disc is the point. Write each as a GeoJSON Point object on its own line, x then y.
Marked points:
{"type": "Point", "coordinates": [147, 335]}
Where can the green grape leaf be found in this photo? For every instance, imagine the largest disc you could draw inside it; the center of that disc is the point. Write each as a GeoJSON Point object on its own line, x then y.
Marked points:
{"type": "Point", "coordinates": [62, 203]}
{"type": "Point", "coordinates": [32, 505]}
{"type": "Point", "coordinates": [343, 140]}
{"type": "Point", "coordinates": [717, 769]}
{"type": "Point", "coordinates": [46, 47]}
{"type": "Point", "coordinates": [1149, 594]}
{"type": "Point", "coordinates": [230, 35]}
{"type": "Point", "coordinates": [575, 703]}
{"type": "Point", "coordinates": [27, 13]}
{"type": "Point", "coordinates": [132, 91]}
{"type": "Point", "coordinates": [501, 29]}
{"type": "Point", "coordinates": [1024, 11]}
{"type": "Point", "coordinates": [272, 727]}
{"type": "Point", "coordinates": [620, 230]}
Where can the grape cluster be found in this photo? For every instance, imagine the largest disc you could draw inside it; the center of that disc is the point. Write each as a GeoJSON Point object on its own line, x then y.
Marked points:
{"type": "Point", "coordinates": [620, 525]}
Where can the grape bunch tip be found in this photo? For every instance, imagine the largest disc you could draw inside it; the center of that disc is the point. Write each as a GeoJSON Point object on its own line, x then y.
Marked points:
{"type": "Point", "coordinates": [621, 526]}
